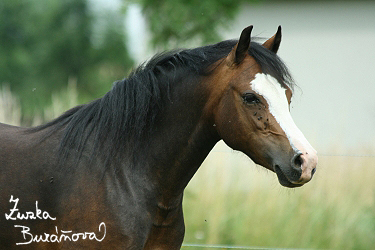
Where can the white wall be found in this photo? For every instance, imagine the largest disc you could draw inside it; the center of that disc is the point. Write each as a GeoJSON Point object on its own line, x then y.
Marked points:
{"type": "Point", "coordinates": [330, 50]}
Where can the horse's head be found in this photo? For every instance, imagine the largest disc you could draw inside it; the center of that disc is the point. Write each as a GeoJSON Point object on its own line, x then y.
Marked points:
{"type": "Point", "coordinates": [252, 112]}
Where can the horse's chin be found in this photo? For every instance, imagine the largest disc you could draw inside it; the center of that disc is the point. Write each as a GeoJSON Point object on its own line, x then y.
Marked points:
{"type": "Point", "coordinates": [284, 181]}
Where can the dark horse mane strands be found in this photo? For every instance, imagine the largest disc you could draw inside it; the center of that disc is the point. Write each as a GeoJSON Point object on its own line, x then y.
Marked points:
{"type": "Point", "coordinates": [124, 116]}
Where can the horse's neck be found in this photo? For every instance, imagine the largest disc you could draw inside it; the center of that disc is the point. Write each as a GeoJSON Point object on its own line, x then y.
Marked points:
{"type": "Point", "coordinates": [182, 141]}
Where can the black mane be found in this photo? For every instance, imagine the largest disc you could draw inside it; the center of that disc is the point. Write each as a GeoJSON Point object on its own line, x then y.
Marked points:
{"type": "Point", "coordinates": [124, 116]}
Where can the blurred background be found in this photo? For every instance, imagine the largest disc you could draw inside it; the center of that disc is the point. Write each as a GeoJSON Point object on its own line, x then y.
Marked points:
{"type": "Point", "coordinates": [58, 54]}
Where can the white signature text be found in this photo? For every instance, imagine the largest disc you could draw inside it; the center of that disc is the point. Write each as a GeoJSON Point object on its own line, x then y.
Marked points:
{"type": "Point", "coordinates": [60, 236]}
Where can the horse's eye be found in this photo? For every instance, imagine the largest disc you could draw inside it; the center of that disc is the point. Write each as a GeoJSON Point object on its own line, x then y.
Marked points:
{"type": "Point", "coordinates": [250, 98]}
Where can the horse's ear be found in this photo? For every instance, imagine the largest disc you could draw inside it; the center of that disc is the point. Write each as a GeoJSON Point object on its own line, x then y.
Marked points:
{"type": "Point", "coordinates": [273, 43]}
{"type": "Point", "coordinates": [239, 51]}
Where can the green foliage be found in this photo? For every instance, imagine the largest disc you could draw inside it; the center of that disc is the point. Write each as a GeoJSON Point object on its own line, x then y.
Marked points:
{"type": "Point", "coordinates": [45, 44]}
{"type": "Point", "coordinates": [174, 23]}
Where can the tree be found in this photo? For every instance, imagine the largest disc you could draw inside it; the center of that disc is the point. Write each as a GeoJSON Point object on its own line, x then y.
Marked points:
{"type": "Point", "coordinates": [177, 22]}
{"type": "Point", "coordinates": [46, 43]}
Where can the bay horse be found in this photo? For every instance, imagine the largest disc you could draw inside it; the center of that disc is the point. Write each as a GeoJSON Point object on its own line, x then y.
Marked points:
{"type": "Point", "coordinates": [111, 174]}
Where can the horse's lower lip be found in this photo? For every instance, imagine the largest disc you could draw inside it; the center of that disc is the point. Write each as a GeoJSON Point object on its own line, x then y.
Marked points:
{"type": "Point", "coordinates": [284, 181]}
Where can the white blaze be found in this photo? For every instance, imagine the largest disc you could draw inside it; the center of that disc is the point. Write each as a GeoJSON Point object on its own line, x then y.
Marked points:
{"type": "Point", "coordinates": [271, 90]}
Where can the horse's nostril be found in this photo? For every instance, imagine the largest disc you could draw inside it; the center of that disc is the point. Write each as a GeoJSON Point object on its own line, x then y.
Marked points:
{"type": "Point", "coordinates": [313, 172]}
{"type": "Point", "coordinates": [297, 160]}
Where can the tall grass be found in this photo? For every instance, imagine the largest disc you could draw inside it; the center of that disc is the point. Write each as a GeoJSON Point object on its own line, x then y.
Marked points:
{"type": "Point", "coordinates": [231, 201]}
{"type": "Point", "coordinates": [10, 107]}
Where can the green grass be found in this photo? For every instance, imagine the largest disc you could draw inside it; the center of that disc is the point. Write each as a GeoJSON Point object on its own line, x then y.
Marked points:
{"type": "Point", "coordinates": [231, 201]}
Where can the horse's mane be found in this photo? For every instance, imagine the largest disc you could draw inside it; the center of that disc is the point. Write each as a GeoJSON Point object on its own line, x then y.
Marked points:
{"type": "Point", "coordinates": [124, 116]}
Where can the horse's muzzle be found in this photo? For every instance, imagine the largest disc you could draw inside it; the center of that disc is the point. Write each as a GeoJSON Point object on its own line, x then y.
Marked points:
{"type": "Point", "coordinates": [300, 171]}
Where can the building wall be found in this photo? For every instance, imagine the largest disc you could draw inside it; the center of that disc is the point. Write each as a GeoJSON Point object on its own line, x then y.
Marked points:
{"type": "Point", "coordinates": [330, 50]}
